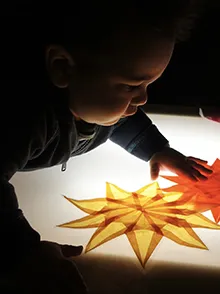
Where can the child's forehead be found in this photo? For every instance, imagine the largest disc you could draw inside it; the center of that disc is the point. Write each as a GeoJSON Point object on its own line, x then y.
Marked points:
{"type": "Point", "coordinates": [142, 57]}
{"type": "Point", "coordinates": [136, 57]}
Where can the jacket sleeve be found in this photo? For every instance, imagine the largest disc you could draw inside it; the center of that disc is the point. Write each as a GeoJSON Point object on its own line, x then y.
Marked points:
{"type": "Point", "coordinates": [139, 136]}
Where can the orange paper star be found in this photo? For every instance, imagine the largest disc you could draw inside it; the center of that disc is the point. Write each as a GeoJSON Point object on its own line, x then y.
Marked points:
{"type": "Point", "coordinates": [145, 216]}
{"type": "Point", "coordinates": [203, 191]}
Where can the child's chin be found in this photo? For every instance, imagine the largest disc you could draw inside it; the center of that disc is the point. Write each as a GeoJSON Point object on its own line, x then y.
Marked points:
{"type": "Point", "coordinates": [110, 123]}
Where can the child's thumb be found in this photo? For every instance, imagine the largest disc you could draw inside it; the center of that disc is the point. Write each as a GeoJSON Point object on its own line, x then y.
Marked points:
{"type": "Point", "coordinates": [154, 171]}
{"type": "Point", "coordinates": [69, 250]}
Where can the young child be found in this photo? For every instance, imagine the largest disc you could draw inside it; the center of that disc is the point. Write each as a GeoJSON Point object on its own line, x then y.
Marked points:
{"type": "Point", "coordinates": [69, 84]}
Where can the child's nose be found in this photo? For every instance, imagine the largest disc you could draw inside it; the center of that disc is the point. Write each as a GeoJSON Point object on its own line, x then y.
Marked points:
{"type": "Point", "coordinates": [141, 99]}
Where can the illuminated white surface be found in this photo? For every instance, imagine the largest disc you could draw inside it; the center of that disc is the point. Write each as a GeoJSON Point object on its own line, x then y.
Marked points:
{"type": "Point", "coordinates": [39, 192]}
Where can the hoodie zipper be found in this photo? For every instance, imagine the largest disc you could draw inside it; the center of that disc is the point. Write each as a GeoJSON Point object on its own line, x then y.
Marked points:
{"type": "Point", "coordinates": [87, 140]}
{"type": "Point", "coordinates": [63, 167]}
{"type": "Point", "coordinates": [83, 146]}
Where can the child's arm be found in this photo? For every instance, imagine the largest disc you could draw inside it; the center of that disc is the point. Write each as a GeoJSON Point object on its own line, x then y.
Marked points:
{"type": "Point", "coordinates": [141, 138]}
{"type": "Point", "coordinates": [17, 146]}
{"type": "Point", "coordinates": [26, 262]}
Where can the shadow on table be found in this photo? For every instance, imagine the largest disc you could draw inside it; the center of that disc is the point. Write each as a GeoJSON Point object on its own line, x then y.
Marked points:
{"type": "Point", "coordinates": [108, 274]}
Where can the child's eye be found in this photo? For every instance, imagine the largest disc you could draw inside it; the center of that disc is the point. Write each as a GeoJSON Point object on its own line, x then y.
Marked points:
{"type": "Point", "coordinates": [131, 88]}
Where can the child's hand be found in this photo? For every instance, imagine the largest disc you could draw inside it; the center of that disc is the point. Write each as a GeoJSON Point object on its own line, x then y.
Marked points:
{"type": "Point", "coordinates": [193, 168]}
{"type": "Point", "coordinates": [47, 270]}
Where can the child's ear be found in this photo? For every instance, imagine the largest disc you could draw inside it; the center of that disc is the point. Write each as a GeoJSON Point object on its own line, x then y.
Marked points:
{"type": "Point", "coordinates": [59, 65]}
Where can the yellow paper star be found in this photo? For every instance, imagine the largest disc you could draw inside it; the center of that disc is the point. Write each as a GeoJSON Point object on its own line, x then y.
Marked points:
{"type": "Point", "coordinates": [145, 216]}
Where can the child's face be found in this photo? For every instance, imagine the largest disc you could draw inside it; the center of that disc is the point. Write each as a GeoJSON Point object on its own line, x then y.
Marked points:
{"type": "Point", "coordinates": [115, 85]}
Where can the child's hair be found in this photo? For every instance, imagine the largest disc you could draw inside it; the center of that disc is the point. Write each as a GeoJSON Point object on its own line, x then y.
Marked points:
{"type": "Point", "coordinates": [91, 24]}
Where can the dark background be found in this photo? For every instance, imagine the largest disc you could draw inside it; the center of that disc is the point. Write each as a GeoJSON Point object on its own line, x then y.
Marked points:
{"type": "Point", "coordinates": [193, 75]}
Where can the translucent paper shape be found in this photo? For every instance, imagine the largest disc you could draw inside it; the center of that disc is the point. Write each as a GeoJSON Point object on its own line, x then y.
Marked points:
{"type": "Point", "coordinates": [144, 216]}
{"type": "Point", "coordinates": [206, 192]}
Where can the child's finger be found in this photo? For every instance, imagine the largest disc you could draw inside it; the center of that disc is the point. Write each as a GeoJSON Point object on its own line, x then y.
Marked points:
{"type": "Point", "coordinates": [154, 171]}
{"type": "Point", "coordinates": [188, 172]}
{"type": "Point", "coordinates": [197, 159]}
{"type": "Point", "coordinates": [198, 175]}
{"type": "Point", "coordinates": [69, 250]}
{"type": "Point", "coordinates": [201, 168]}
